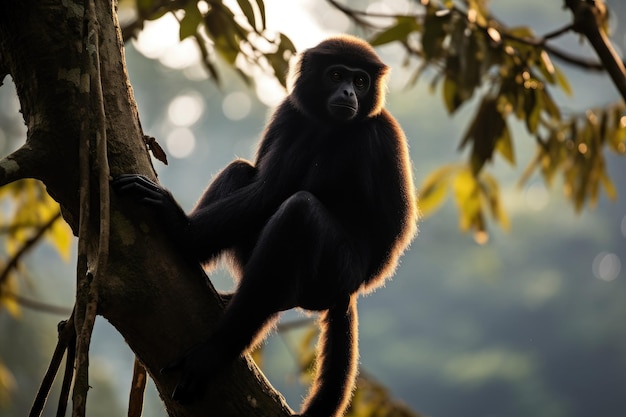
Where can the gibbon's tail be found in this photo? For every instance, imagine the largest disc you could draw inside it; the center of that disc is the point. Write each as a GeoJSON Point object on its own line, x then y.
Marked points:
{"type": "Point", "coordinates": [337, 362]}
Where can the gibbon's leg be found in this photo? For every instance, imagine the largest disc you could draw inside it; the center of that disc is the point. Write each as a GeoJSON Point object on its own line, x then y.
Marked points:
{"type": "Point", "coordinates": [236, 175]}
{"type": "Point", "coordinates": [300, 254]}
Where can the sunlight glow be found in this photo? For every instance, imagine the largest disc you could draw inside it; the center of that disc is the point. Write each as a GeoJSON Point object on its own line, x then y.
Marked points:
{"type": "Point", "coordinates": [157, 37]}
{"type": "Point", "coordinates": [296, 19]}
{"type": "Point", "coordinates": [183, 55]}
{"type": "Point", "coordinates": [269, 90]}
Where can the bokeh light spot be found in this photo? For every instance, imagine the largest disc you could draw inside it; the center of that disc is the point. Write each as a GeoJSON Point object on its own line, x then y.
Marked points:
{"type": "Point", "coordinates": [236, 105]}
{"type": "Point", "coordinates": [606, 266]}
{"type": "Point", "coordinates": [180, 142]}
{"type": "Point", "coordinates": [186, 109]}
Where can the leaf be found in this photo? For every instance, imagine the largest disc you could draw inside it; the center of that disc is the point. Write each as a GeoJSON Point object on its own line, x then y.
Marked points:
{"type": "Point", "coordinates": [504, 145]}
{"type": "Point", "coordinates": [521, 32]}
{"type": "Point", "coordinates": [433, 34]}
{"type": "Point", "coordinates": [286, 44]}
{"type": "Point", "coordinates": [450, 96]}
{"type": "Point", "coordinates": [433, 190]}
{"type": "Point", "coordinates": [549, 106]}
{"type": "Point", "coordinates": [279, 65]}
{"type": "Point", "coordinates": [153, 146]}
{"type": "Point", "coordinates": [467, 198]}
{"type": "Point", "coordinates": [608, 185]}
{"type": "Point", "coordinates": [144, 7]}
{"type": "Point", "coordinates": [491, 192]}
{"type": "Point", "coordinates": [563, 82]}
{"type": "Point", "coordinates": [485, 129]}
{"type": "Point", "coordinates": [248, 11]}
{"type": "Point", "coordinates": [7, 301]}
{"type": "Point", "coordinates": [189, 23]}
{"type": "Point", "coordinates": [532, 108]}
{"type": "Point", "coordinates": [403, 27]}
{"type": "Point", "coordinates": [222, 28]}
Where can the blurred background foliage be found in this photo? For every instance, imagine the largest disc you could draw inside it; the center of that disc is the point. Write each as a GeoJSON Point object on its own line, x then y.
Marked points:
{"type": "Point", "coordinates": [522, 318]}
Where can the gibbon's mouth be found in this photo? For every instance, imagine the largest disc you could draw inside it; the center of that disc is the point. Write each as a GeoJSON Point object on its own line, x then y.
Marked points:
{"type": "Point", "coordinates": [342, 111]}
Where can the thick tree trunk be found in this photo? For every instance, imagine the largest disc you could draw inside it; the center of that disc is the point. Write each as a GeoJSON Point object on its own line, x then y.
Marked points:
{"type": "Point", "coordinates": [161, 305]}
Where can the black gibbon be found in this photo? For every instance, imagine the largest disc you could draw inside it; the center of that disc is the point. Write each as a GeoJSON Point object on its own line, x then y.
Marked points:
{"type": "Point", "coordinates": [323, 214]}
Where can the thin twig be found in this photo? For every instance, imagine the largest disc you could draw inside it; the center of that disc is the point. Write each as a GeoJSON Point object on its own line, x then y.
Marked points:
{"type": "Point", "coordinates": [588, 18]}
{"type": "Point", "coordinates": [37, 305]}
{"type": "Point", "coordinates": [66, 336]}
{"type": "Point", "coordinates": [68, 376]}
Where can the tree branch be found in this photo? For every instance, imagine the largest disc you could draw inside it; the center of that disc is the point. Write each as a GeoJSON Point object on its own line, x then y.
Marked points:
{"type": "Point", "coordinates": [17, 166]}
{"type": "Point", "coordinates": [37, 305]}
{"type": "Point", "coordinates": [14, 261]}
{"type": "Point", "coordinates": [589, 17]}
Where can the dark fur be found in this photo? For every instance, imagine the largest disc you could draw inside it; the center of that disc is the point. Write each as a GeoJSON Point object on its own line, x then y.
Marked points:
{"type": "Point", "coordinates": [324, 213]}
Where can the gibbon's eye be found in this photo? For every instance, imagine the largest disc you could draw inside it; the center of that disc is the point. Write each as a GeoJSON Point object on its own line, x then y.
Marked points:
{"type": "Point", "coordinates": [335, 75]}
{"type": "Point", "coordinates": [361, 81]}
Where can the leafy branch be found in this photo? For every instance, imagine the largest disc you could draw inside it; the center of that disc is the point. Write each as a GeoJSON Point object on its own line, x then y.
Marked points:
{"type": "Point", "coordinates": [512, 72]}
{"type": "Point", "coordinates": [237, 34]}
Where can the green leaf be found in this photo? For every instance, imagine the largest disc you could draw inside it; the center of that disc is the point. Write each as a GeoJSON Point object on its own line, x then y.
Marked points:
{"type": "Point", "coordinates": [608, 185]}
{"type": "Point", "coordinates": [144, 7]}
{"type": "Point", "coordinates": [224, 31]}
{"type": "Point", "coordinates": [563, 82]}
{"type": "Point", "coordinates": [404, 26]}
{"type": "Point", "coordinates": [189, 23]}
{"type": "Point", "coordinates": [488, 125]}
{"type": "Point", "coordinates": [521, 32]}
{"type": "Point", "coordinates": [532, 108]}
{"type": "Point", "coordinates": [467, 197]}
{"type": "Point", "coordinates": [491, 193]}
{"type": "Point", "coordinates": [504, 145]}
{"type": "Point", "coordinates": [279, 65]}
{"type": "Point", "coordinates": [433, 190]}
{"type": "Point", "coordinates": [450, 96]}
{"type": "Point", "coordinates": [433, 34]}
{"type": "Point", "coordinates": [549, 106]}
